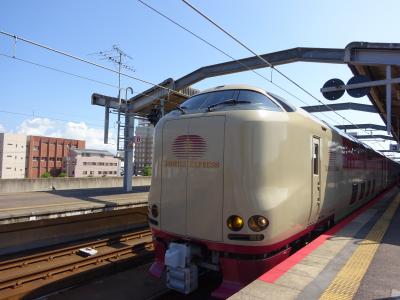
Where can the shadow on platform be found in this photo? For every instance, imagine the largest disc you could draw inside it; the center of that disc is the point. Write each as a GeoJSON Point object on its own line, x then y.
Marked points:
{"type": "Point", "coordinates": [90, 195]}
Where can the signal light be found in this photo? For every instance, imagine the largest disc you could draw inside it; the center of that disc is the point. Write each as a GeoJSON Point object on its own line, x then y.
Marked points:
{"type": "Point", "coordinates": [258, 223]}
{"type": "Point", "coordinates": [235, 223]}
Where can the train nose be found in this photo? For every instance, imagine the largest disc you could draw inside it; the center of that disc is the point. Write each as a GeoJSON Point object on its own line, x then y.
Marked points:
{"type": "Point", "coordinates": [192, 176]}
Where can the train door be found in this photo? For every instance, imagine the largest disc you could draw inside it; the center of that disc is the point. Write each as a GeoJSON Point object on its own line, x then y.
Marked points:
{"type": "Point", "coordinates": [316, 180]}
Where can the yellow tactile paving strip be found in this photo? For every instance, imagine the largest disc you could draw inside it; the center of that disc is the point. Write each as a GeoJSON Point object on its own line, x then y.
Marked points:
{"type": "Point", "coordinates": [347, 281]}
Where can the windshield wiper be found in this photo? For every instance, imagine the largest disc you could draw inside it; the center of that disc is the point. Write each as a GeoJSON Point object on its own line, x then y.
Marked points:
{"type": "Point", "coordinates": [180, 109]}
{"type": "Point", "coordinates": [229, 101]}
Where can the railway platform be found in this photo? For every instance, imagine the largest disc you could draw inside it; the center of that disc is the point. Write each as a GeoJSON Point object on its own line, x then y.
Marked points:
{"type": "Point", "coordinates": [31, 220]}
{"type": "Point", "coordinates": [359, 258]}
{"type": "Point", "coordinates": [34, 206]}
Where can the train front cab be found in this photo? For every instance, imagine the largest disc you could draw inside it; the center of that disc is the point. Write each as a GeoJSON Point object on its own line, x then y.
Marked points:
{"type": "Point", "coordinates": [231, 165]}
{"type": "Point", "coordinates": [211, 167]}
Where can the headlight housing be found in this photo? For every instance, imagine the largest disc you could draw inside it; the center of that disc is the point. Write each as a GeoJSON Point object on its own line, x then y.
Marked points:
{"type": "Point", "coordinates": [235, 223]}
{"type": "Point", "coordinates": [258, 223]}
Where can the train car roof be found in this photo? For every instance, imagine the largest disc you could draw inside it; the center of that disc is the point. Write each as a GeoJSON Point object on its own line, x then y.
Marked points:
{"type": "Point", "coordinates": [353, 138]}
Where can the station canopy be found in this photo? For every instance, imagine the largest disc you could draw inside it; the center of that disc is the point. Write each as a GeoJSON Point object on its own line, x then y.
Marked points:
{"type": "Point", "coordinates": [370, 59]}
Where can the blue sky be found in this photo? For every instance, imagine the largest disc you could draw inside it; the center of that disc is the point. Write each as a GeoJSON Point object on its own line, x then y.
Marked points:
{"type": "Point", "coordinates": [161, 50]}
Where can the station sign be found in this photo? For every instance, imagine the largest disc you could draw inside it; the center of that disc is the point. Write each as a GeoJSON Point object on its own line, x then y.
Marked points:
{"type": "Point", "coordinates": [135, 140]}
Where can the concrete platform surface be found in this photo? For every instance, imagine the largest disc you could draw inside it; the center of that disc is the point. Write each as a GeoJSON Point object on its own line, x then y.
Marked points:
{"type": "Point", "coordinates": [357, 259]}
{"type": "Point", "coordinates": [33, 206]}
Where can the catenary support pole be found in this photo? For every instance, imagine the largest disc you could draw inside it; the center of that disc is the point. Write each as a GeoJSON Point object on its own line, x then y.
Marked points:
{"type": "Point", "coordinates": [128, 153]}
{"type": "Point", "coordinates": [389, 99]}
{"type": "Point", "coordinates": [106, 121]}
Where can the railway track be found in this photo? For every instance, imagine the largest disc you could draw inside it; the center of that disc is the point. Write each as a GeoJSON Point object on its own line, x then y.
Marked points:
{"type": "Point", "coordinates": [36, 274]}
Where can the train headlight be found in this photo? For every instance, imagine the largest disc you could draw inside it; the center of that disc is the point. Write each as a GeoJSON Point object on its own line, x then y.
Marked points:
{"type": "Point", "coordinates": [154, 211]}
{"type": "Point", "coordinates": [235, 223]}
{"type": "Point", "coordinates": [258, 223]}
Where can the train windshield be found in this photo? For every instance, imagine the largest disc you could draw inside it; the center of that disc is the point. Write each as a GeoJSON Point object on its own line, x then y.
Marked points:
{"type": "Point", "coordinates": [252, 98]}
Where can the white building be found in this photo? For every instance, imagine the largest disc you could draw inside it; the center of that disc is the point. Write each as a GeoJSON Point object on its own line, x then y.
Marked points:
{"type": "Point", "coordinates": [91, 163]}
{"type": "Point", "coordinates": [144, 147]}
{"type": "Point", "coordinates": [12, 155]}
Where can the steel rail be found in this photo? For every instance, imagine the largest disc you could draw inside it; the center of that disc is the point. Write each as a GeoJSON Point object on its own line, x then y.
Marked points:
{"type": "Point", "coordinates": [52, 254]}
{"type": "Point", "coordinates": [142, 245]}
{"type": "Point", "coordinates": [74, 266]}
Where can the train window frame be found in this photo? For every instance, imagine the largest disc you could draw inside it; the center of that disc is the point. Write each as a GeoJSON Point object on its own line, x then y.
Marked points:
{"type": "Point", "coordinates": [315, 158]}
{"type": "Point", "coordinates": [286, 106]}
{"type": "Point", "coordinates": [231, 94]}
{"type": "Point", "coordinates": [268, 102]}
{"type": "Point", "coordinates": [354, 193]}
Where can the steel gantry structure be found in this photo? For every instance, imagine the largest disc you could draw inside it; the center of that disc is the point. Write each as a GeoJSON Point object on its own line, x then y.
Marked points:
{"type": "Point", "coordinates": [379, 61]}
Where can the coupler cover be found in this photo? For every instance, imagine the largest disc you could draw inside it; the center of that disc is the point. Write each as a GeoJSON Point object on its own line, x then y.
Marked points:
{"type": "Point", "coordinates": [182, 274]}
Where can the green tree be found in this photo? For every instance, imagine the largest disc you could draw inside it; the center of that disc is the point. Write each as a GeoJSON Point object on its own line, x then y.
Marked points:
{"type": "Point", "coordinates": [147, 171]}
{"type": "Point", "coordinates": [46, 175]}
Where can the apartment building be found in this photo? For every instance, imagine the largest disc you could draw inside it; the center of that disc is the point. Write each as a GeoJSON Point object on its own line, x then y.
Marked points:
{"type": "Point", "coordinates": [143, 147]}
{"type": "Point", "coordinates": [91, 163]}
{"type": "Point", "coordinates": [12, 155]}
{"type": "Point", "coordinates": [45, 154]}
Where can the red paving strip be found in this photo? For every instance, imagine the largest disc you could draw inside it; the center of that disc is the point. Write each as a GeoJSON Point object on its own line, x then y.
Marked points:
{"type": "Point", "coordinates": [276, 272]}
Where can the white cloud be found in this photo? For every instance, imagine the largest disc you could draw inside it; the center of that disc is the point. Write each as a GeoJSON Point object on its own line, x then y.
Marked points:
{"type": "Point", "coordinates": [41, 126]}
{"type": "Point", "coordinates": [2, 129]}
{"type": "Point", "coordinates": [71, 130]}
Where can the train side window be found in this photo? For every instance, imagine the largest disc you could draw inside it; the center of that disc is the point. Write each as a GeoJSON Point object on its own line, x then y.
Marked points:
{"type": "Point", "coordinates": [368, 188]}
{"type": "Point", "coordinates": [288, 107]}
{"type": "Point", "coordinates": [373, 186]}
{"type": "Point", "coordinates": [316, 159]}
{"type": "Point", "coordinates": [362, 191]}
{"type": "Point", "coordinates": [354, 193]}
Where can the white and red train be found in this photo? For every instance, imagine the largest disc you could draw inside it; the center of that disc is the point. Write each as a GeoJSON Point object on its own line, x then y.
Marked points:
{"type": "Point", "coordinates": [240, 176]}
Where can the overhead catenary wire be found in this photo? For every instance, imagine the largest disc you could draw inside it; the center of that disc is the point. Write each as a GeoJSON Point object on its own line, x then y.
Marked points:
{"type": "Point", "coordinates": [244, 65]}
{"type": "Point", "coordinates": [77, 76]}
{"type": "Point", "coordinates": [58, 70]}
{"type": "Point", "coordinates": [258, 56]}
{"type": "Point", "coordinates": [87, 61]}
{"type": "Point", "coordinates": [46, 117]}
{"type": "Point", "coordinates": [226, 54]}
{"type": "Point", "coordinates": [169, 90]}
{"type": "Point", "coordinates": [115, 86]}
{"type": "Point", "coordinates": [114, 71]}
{"type": "Point", "coordinates": [234, 59]}
{"type": "Point", "coordinates": [18, 38]}
{"type": "Point", "coordinates": [264, 60]}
